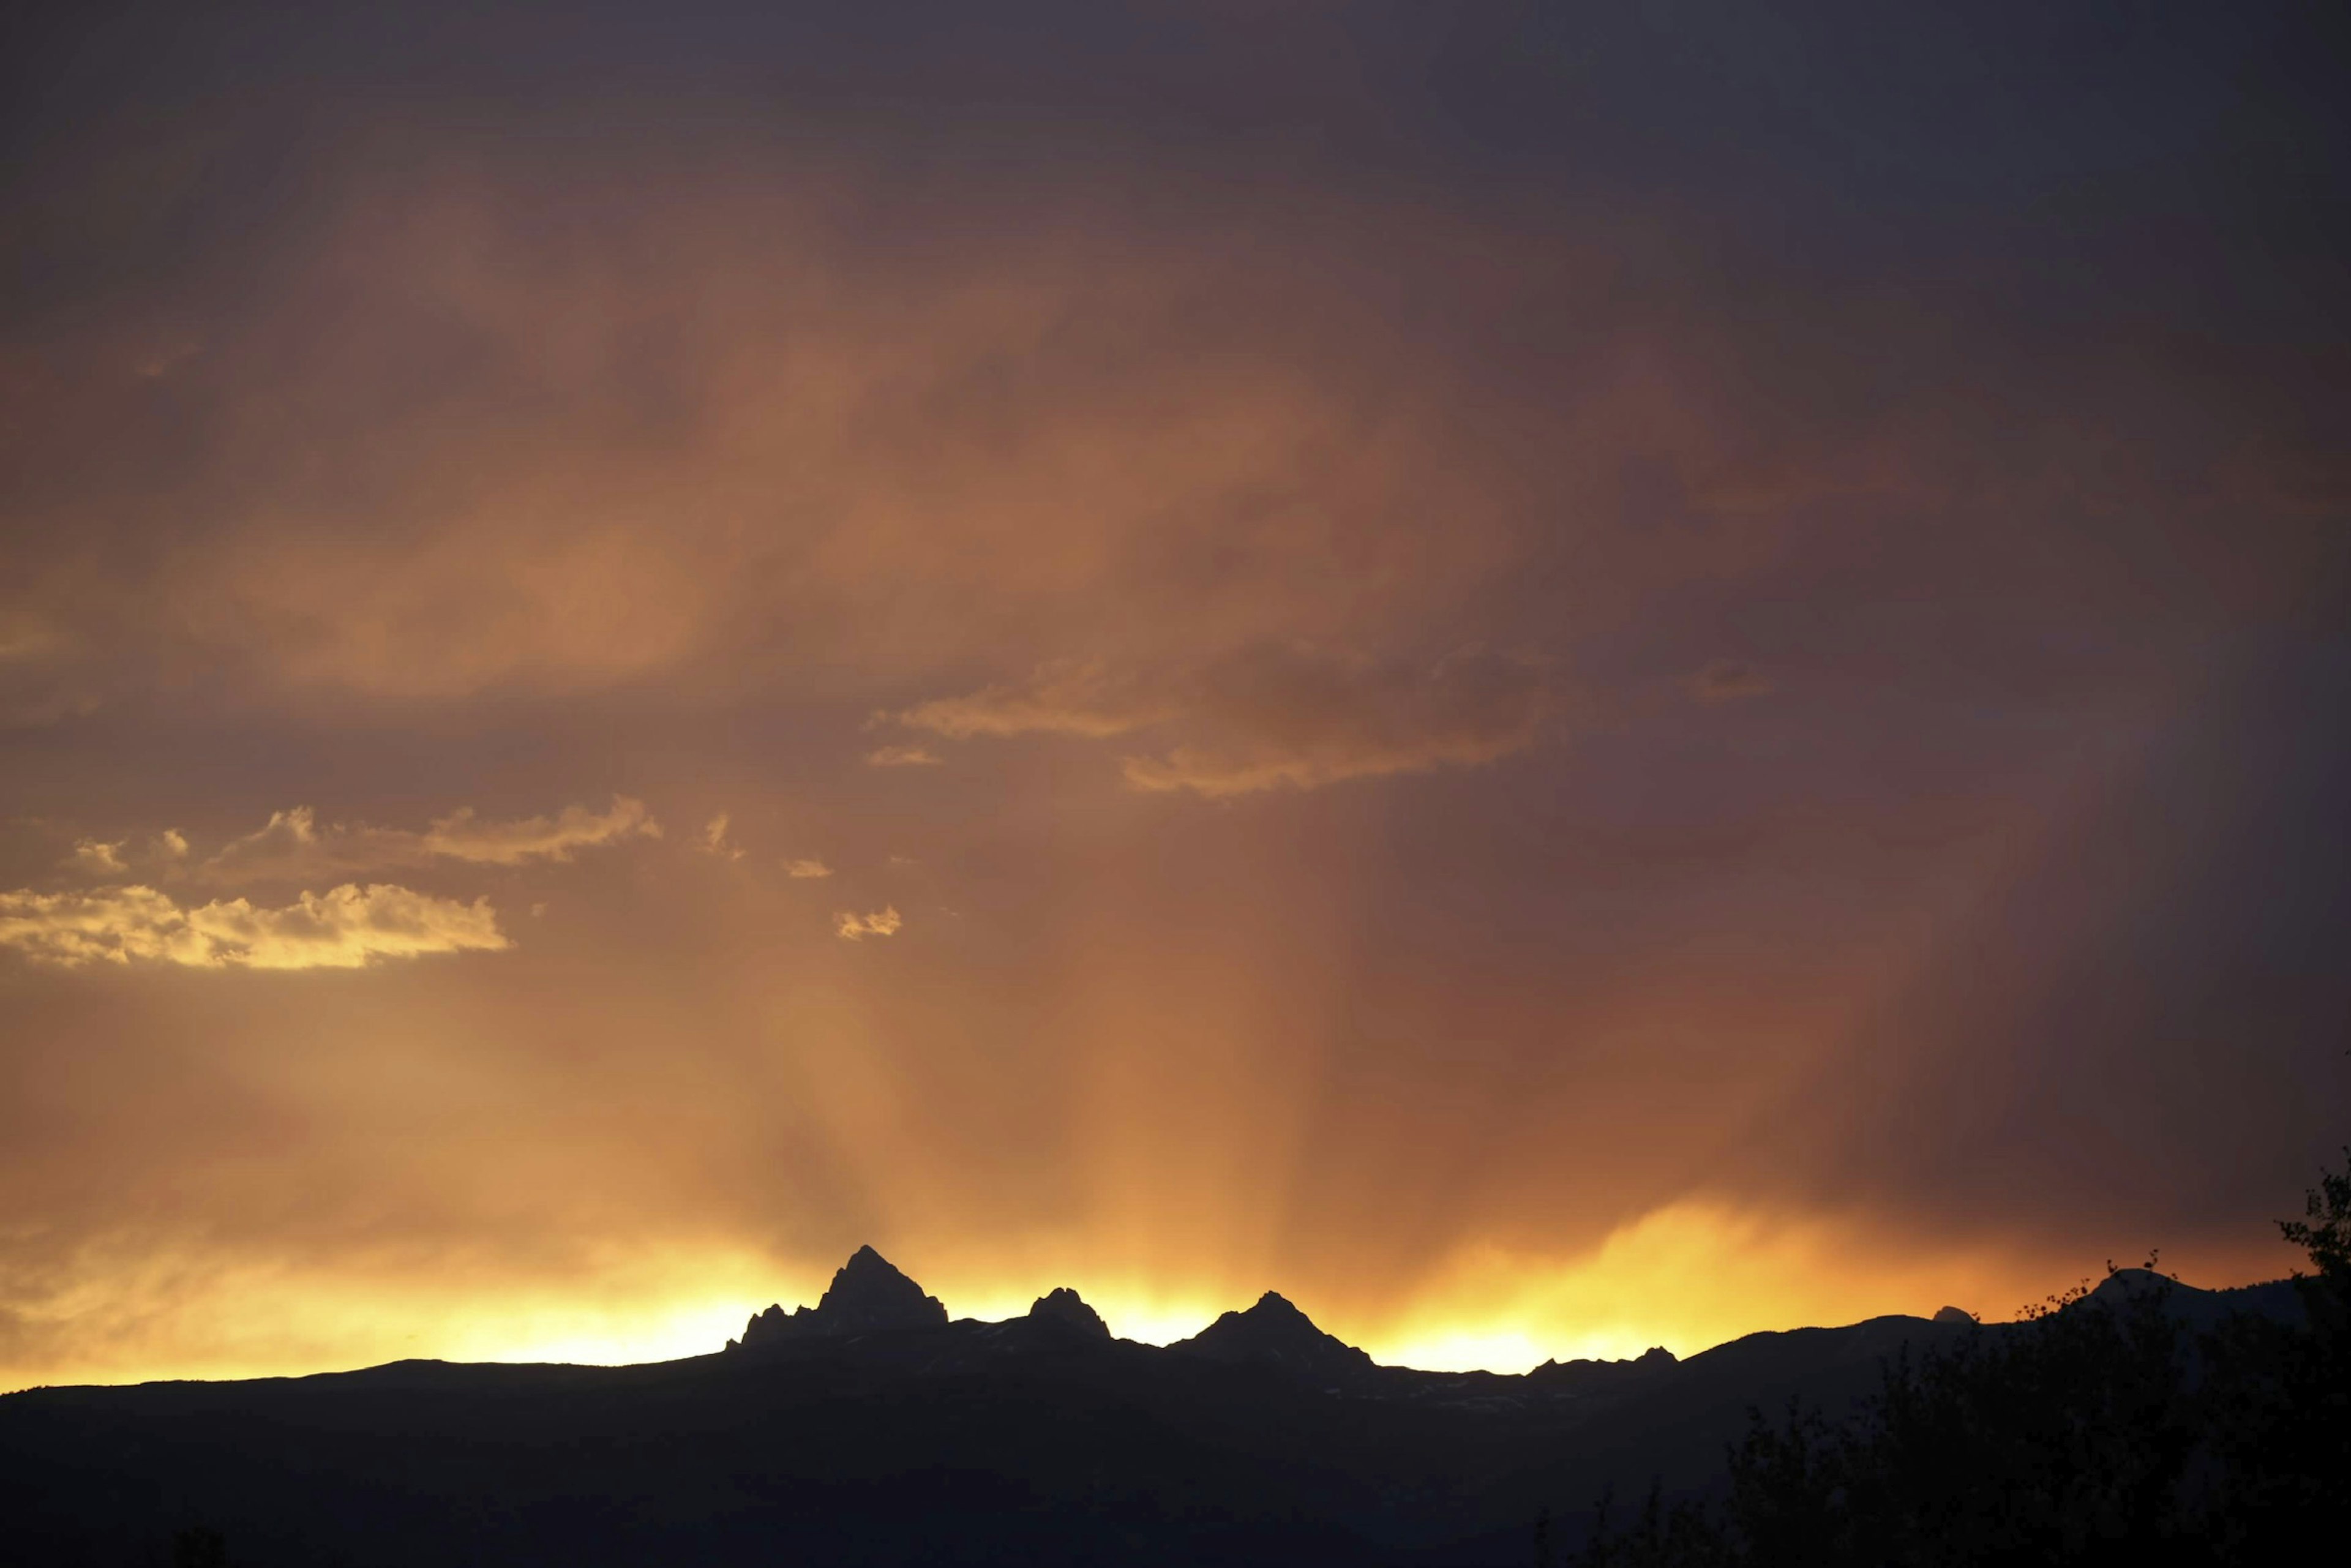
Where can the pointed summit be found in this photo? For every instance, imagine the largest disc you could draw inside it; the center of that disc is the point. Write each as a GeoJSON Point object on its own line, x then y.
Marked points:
{"type": "Point", "coordinates": [868, 1295]}
{"type": "Point", "coordinates": [1064, 1308]}
{"type": "Point", "coordinates": [1275, 1333]}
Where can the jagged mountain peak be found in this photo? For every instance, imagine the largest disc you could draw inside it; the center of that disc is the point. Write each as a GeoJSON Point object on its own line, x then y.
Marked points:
{"type": "Point", "coordinates": [869, 1275]}
{"type": "Point", "coordinates": [869, 1294]}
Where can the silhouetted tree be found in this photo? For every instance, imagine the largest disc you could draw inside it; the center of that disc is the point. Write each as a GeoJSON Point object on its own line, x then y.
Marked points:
{"type": "Point", "coordinates": [2281, 1397]}
{"type": "Point", "coordinates": [1664, 1535]}
{"type": "Point", "coordinates": [2062, 1441]}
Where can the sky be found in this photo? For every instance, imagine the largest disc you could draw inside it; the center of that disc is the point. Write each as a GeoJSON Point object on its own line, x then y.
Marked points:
{"type": "Point", "coordinates": [1558, 678]}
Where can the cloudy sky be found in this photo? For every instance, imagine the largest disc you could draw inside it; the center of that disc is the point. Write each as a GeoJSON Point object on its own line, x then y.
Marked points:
{"type": "Point", "coordinates": [1557, 677]}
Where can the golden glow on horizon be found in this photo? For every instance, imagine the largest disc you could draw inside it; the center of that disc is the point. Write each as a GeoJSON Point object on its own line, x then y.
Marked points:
{"type": "Point", "coordinates": [265, 1322]}
{"type": "Point", "coordinates": [1687, 1278]}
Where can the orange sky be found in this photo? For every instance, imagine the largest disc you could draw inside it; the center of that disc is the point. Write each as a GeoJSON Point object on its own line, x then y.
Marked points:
{"type": "Point", "coordinates": [613, 682]}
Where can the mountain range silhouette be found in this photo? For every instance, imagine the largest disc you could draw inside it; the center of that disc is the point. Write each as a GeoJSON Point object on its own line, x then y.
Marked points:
{"type": "Point", "coordinates": [873, 1428]}
{"type": "Point", "coordinates": [869, 1295]}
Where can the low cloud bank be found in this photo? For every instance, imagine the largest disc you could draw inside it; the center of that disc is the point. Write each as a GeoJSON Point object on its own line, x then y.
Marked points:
{"type": "Point", "coordinates": [347, 927]}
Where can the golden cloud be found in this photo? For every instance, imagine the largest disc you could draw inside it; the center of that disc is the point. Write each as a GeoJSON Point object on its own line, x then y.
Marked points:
{"type": "Point", "coordinates": [292, 844]}
{"type": "Point", "coordinates": [715, 840]}
{"type": "Point", "coordinates": [812, 867]}
{"type": "Point", "coordinates": [461, 836]}
{"type": "Point", "coordinates": [1063, 697]}
{"type": "Point", "coordinates": [882, 921]}
{"type": "Point", "coordinates": [902, 756]}
{"type": "Point", "coordinates": [1272, 716]}
{"type": "Point", "coordinates": [346, 928]}
{"type": "Point", "coordinates": [1291, 718]}
{"type": "Point", "coordinates": [97, 858]}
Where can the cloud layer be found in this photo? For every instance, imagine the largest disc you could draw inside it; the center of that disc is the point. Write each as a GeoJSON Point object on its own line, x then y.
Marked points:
{"type": "Point", "coordinates": [291, 845]}
{"type": "Point", "coordinates": [347, 927]}
{"type": "Point", "coordinates": [1058, 698]}
{"type": "Point", "coordinates": [902, 756]}
{"type": "Point", "coordinates": [1285, 719]}
{"type": "Point", "coordinates": [1272, 716]}
{"type": "Point", "coordinates": [853, 927]}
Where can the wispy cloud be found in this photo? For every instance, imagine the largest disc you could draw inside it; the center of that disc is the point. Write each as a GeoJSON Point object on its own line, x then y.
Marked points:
{"type": "Point", "coordinates": [346, 928]}
{"type": "Point", "coordinates": [1728, 680]}
{"type": "Point", "coordinates": [1291, 718]}
{"type": "Point", "coordinates": [1063, 697]}
{"type": "Point", "coordinates": [882, 921]}
{"type": "Point", "coordinates": [93, 857]}
{"type": "Point", "coordinates": [901, 757]}
{"type": "Point", "coordinates": [1272, 716]}
{"type": "Point", "coordinates": [293, 844]}
{"type": "Point", "coordinates": [113, 861]}
{"type": "Point", "coordinates": [715, 840]}
{"type": "Point", "coordinates": [811, 867]}
{"type": "Point", "coordinates": [463, 836]}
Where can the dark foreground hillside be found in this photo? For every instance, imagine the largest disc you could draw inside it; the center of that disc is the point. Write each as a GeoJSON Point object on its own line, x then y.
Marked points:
{"type": "Point", "coordinates": [869, 1430]}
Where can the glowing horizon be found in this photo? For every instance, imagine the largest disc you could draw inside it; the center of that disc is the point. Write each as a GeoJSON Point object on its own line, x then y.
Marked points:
{"type": "Point", "coordinates": [609, 1324]}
